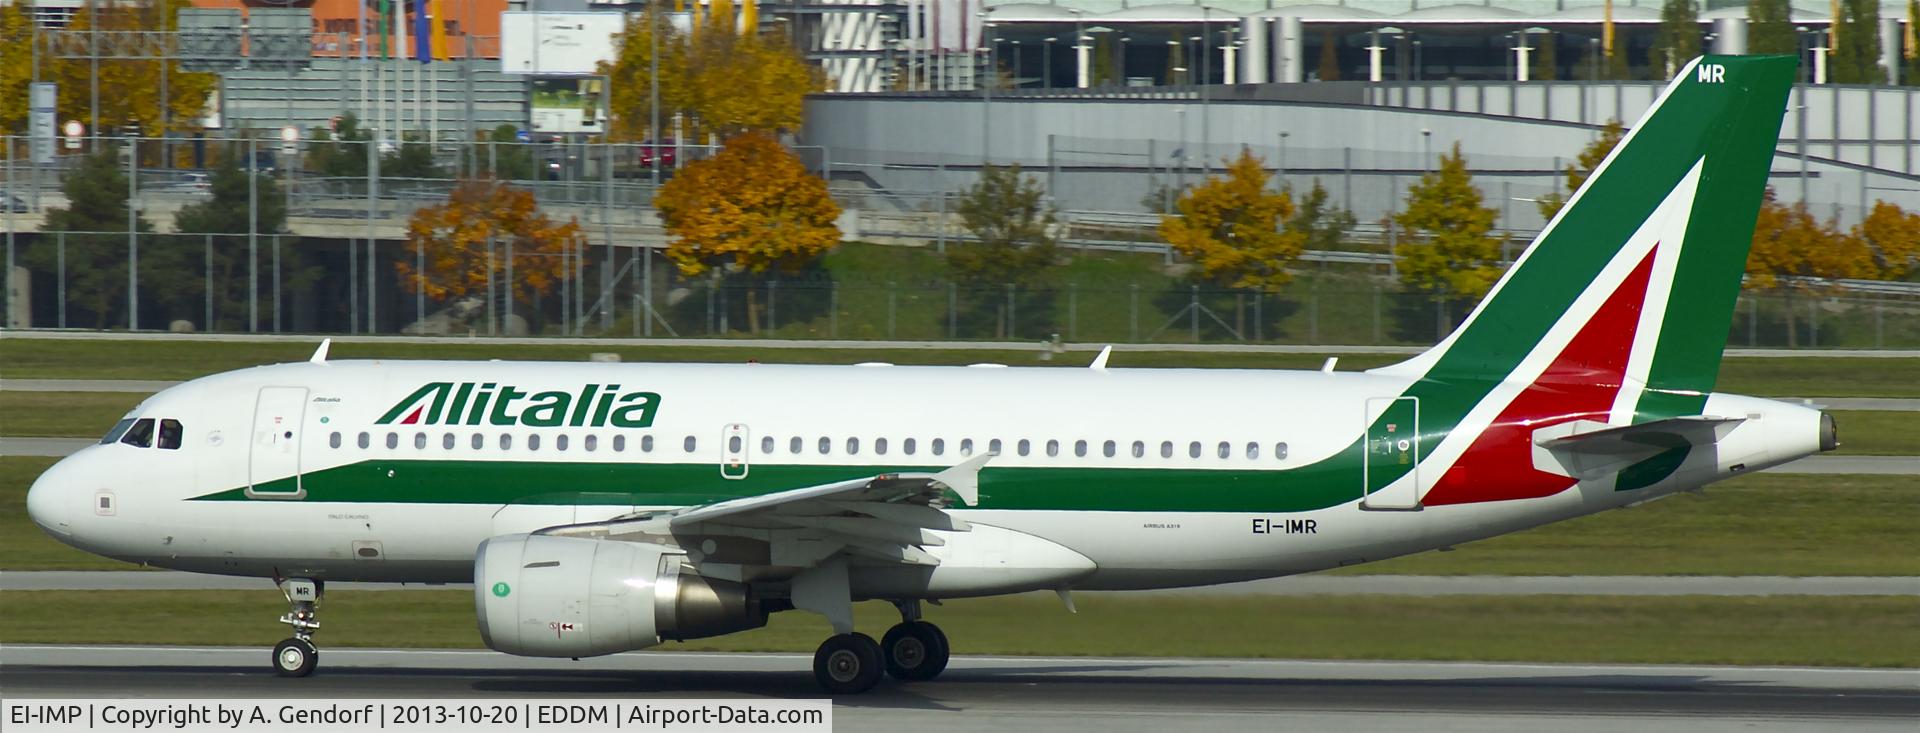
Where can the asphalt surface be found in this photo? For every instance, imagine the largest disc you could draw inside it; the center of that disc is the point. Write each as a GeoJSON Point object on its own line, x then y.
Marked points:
{"type": "Point", "coordinates": [1304, 585]}
{"type": "Point", "coordinates": [1045, 693]}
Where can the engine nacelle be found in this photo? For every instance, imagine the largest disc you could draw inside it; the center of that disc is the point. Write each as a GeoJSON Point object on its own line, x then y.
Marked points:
{"type": "Point", "coordinates": [547, 596]}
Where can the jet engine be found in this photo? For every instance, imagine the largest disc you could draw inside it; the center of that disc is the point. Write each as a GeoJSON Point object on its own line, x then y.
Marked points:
{"type": "Point", "coordinates": [547, 596]}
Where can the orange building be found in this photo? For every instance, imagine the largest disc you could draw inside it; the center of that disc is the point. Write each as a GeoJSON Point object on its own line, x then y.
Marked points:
{"type": "Point", "coordinates": [335, 22]}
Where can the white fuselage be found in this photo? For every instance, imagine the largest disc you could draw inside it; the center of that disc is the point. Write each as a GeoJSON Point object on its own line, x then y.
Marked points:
{"type": "Point", "coordinates": [1237, 474]}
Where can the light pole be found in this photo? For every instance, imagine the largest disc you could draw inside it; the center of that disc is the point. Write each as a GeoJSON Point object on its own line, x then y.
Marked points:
{"type": "Point", "coordinates": [1206, 79]}
{"type": "Point", "coordinates": [986, 94]}
{"type": "Point", "coordinates": [1016, 61]}
{"type": "Point", "coordinates": [1426, 149]}
{"type": "Point", "coordinates": [1046, 69]}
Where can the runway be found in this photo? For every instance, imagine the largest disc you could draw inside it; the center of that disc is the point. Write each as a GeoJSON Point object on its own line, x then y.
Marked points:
{"type": "Point", "coordinates": [1303, 585]}
{"type": "Point", "coordinates": [1046, 693]}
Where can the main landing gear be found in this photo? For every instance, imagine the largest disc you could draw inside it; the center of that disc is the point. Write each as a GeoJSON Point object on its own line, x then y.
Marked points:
{"type": "Point", "coordinates": [296, 657]}
{"type": "Point", "coordinates": [913, 650]}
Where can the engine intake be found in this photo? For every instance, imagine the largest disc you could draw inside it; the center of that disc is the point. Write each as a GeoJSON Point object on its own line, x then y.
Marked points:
{"type": "Point", "coordinates": [547, 596]}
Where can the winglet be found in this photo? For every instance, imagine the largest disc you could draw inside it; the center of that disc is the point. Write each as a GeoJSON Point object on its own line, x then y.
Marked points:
{"type": "Point", "coordinates": [320, 354]}
{"type": "Point", "coordinates": [1100, 362]}
{"type": "Point", "coordinates": [964, 479]}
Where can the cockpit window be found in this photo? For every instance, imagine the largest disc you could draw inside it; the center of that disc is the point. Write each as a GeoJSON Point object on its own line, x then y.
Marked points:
{"type": "Point", "coordinates": [170, 431]}
{"type": "Point", "coordinates": [141, 434]}
{"type": "Point", "coordinates": [119, 429]}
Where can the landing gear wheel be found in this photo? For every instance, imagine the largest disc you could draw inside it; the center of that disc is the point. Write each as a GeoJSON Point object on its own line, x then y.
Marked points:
{"type": "Point", "coordinates": [295, 658]}
{"type": "Point", "coordinates": [848, 664]}
{"type": "Point", "coordinates": [914, 650]}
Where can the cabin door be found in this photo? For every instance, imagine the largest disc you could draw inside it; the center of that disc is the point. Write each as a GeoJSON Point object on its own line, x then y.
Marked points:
{"type": "Point", "coordinates": [273, 460]}
{"type": "Point", "coordinates": [1390, 476]}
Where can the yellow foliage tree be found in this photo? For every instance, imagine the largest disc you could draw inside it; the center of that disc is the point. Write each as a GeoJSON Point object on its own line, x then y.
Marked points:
{"type": "Point", "coordinates": [1589, 159]}
{"type": "Point", "coordinates": [130, 89]}
{"type": "Point", "coordinates": [16, 66]}
{"type": "Point", "coordinates": [1451, 254]}
{"type": "Point", "coordinates": [455, 237]}
{"type": "Point", "coordinates": [723, 80]}
{"type": "Point", "coordinates": [753, 206]}
{"type": "Point", "coordinates": [1794, 253]}
{"type": "Point", "coordinates": [1892, 238]}
{"type": "Point", "coordinates": [1233, 227]}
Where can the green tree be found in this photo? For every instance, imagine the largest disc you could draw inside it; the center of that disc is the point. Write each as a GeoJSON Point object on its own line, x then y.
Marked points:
{"type": "Point", "coordinates": [179, 274]}
{"type": "Point", "coordinates": [1770, 28]}
{"type": "Point", "coordinates": [1009, 216]}
{"type": "Point", "coordinates": [340, 152]}
{"type": "Point", "coordinates": [1104, 72]}
{"type": "Point", "coordinates": [1450, 254]}
{"type": "Point", "coordinates": [1546, 63]}
{"type": "Point", "coordinates": [508, 158]}
{"type": "Point", "coordinates": [93, 227]}
{"type": "Point", "coordinates": [1589, 159]}
{"type": "Point", "coordinates": [412, 159]}
{"type": "Point", "coordinates": [1856, 53]}
{"type": "Point", "coordinates": [1325, 226]}
{"type": "Point", "coordinates": [1234, 228]}
{"type": "Point", "coordinates": [1677, 41]}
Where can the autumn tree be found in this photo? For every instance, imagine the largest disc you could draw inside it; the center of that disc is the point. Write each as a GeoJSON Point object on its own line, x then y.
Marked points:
{"type": "Point", "coordinates": [725, 81]}
{"type": "Point", "coordinates": [750, 208]}
{"type": "Point", "coordinates": [130, 88]}
{"type": "Point", "coordinates": [1329, 57]}
{"type": "Point", "coordinates": [1892, 238]}
{"type": "Point", "coordinates": [1234, 228]}
{"type": "Point", "coordinates": [16, 65]}
{"type": "Point", "coordinates": [1911, 77]}
{"type": "Point", "coordinates": [486, 230]}
{"type": "Point", "coordinates": [1856, 41]}
{"type": "Point", "coordinates": [1582, 167]}
{"type": "Point", "coordinates": [93, 228]}
{"type": "Point", "coordinates": [1770, 27]}
{"type": "Point", "coordinates": [1678, 39]}
{"type": "Point", "coordinates": [1012, 225]}
{"type": "Point", "coordinates": [1450, 253]}
{"type": "Point", "coordinates": [1795, 254]}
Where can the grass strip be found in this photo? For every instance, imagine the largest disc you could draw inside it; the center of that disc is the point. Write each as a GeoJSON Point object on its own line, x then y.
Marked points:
{"type": "Point", "coordinates": [62, 414]}
{"type": "Point", "coordinates": [1871, 631]}
{"type": "Point", "coordinates": [1878, 433]}
{"type": "Point", "coordinates": [28, 358]}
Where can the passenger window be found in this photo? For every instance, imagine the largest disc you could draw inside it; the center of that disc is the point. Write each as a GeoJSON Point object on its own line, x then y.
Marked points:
{"type": "Point", "coordinates": [826, 446]}
{"type": "Point", "coordinates": [447, 441]}
{"type": "Point", "coordinates": [419, 441]}
{"type": "Point", "coordinates": [333, 441]}
{"type": "Point", "coordinates": [560, 443]}
{"type": "Point", "coordinates": [766, 445]}
{"type": "Point", "coordinates": [880, 446]}
{"type": "Point", "coordinates": [646, 444]}
{"type": "Point", "coordinates": [691, 443]}
{"type": "Point", "coordinates": [1225, 449]}
{"type": "Point", "coordinates": [1280, 451]}
{"type": "Point", "coordinates": [619, 443]}
{"type": "Point", "coordinates": [590, 443]}
{"type": "Point", "coordinates": [906, 446]}
{"type": "Point", "coordinates": [141, 434]}
{"type": "Point", "coordinates": [938, 446]}
{"type": "Point", "coordinates": [1025, 447]}
{"type": "Point", "coordinates": [533, 442]}
{"type": "Point", "coordinates": [364, 441]}
{"type": "Point", "coordinates": [1193, 449]}
{"type": "Point", "coordinates": [393, 441]}
{"type": "Point", "coordinates": [1053, 448]}
{"type": "Point", "coordinates": [478, 442]}
{"type": "Point", "coordinates": [114, 433]}
{"type": "Point", "coordinates": [734, 444]}
{"type": "Point", "coordinates": [506, 441]}
{"type": "Point", "coordinates": [1166, 449]}
{"type": "Point", "coordinates": [1080, 449]}
{"type": "Point", "coordinates": [1108, 449]}
{"type": "Point", "coordinates": [966, 447]}
{"type": "Point", "coordinates": [1253, 450]}
{"type": "Point", "coordinates": [170, 432]}
{"type": "Point", "coordinates": [1139, 449]}
{"type": "Point", "coordinates": [795, 445]}
{"type": "Point", "coordinates": [853, 446]}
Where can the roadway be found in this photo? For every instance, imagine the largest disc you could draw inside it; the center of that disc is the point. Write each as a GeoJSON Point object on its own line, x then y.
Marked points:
{"type": "Point", "coordinates": [1046, 693]}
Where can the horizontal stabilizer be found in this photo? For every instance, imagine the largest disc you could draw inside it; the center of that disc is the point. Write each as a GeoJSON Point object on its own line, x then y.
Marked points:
{"type": "Point", "coordinates": [1673, 432]}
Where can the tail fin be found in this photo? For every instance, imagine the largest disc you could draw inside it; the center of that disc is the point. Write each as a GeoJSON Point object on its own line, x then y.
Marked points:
{"type": "Point", "coordinates": [1634, 281]}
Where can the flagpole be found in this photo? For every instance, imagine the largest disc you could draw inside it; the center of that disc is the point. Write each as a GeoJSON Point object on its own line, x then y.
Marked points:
{"type": "Point", "coordinates": [400, 72]}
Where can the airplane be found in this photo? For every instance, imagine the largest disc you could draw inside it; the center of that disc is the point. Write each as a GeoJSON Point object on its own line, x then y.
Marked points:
{"type": "Point", "coordinates": [599, 508]}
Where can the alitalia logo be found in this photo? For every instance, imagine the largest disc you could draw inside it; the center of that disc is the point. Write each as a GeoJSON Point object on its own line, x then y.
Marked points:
{"type": "Point", "coordinates": [489, 403]}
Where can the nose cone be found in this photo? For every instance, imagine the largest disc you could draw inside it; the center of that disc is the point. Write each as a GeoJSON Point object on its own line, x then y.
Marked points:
{"type": "Point", "coordinates": [50, 500]}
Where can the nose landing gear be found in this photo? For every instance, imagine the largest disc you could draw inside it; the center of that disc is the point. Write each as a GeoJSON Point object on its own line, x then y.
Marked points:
{"type": "Point", "coordinates": [297, 657]}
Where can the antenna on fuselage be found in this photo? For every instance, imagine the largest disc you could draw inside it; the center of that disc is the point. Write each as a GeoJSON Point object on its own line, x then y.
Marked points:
{"type": "Point", "coordinates": [320, 354]}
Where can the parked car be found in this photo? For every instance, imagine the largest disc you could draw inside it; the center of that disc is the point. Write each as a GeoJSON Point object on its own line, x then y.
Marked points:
{"type": "Point", "coordinates": [660, 154]}
{"type": "Point", "coordinates": [16, 205]}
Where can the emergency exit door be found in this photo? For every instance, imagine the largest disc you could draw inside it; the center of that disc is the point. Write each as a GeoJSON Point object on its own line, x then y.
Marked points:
{"type": "Point", "coordinates": [735, 445]}
{"type": "Point", "coordinates": [273, 459]}
{"type": "Point", "coordinates": [1390, 474]}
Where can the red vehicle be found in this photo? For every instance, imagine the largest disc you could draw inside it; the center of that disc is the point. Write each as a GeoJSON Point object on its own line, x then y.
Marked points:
{"type": "Point", "coordinates": [660, 154]}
